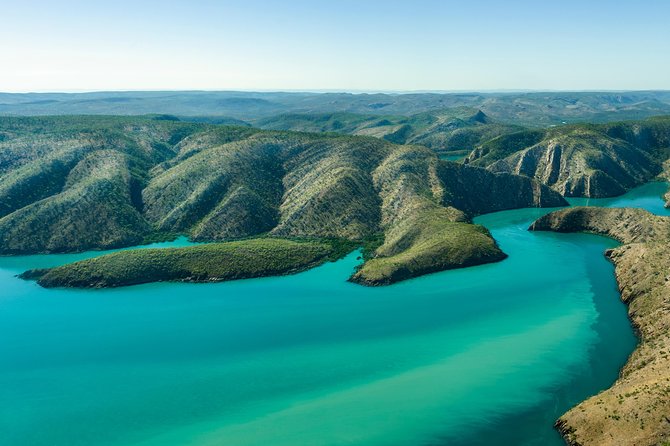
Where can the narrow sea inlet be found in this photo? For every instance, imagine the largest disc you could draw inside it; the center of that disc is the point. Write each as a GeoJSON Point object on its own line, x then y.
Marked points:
{"type": "Point", "coordinates": [485, 355]}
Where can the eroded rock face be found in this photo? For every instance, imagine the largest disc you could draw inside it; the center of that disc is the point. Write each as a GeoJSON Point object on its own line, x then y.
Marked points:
{"type": "Point", "coordinates": [582, 160]}
{"type": "Point", "coordinates": [477, 191]}
{"type": "Point", "coordinates": [578, 165]}
{"type": "Point", "coordinates": [636, 409]}
{"type": "Point", "coordinates": [626, 225]}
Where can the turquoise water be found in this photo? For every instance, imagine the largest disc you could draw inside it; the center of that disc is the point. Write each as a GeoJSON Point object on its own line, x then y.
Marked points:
{"type": "Point", "coordinates": [484, 355]}
{"type": "Point", "coordinates": [454, 157]}
{"type": "Point", "coordinates": [646, 197]}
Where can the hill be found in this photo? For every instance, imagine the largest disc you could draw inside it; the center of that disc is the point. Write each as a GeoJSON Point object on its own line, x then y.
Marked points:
{"type": "Point", "coordinates": [71, 184]}
{"type": "Point", "coordinates": [444, 131]}
{"type": "Point", "coordinates": [535, 109]}
{"type": "Point", "coordinates": [585, 159]}
{"type": "Point", "coordinates": [202, 263]}
{"type": "Point", "coordinates": [111, 182]}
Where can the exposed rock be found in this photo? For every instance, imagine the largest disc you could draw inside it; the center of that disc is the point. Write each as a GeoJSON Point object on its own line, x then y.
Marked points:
{"type": "Point", "coordinates": [582, 160]}
{"type": "Point", "coordinates": [626, 225]}
{"type": "Point", "coordinates": [581, 165]}
{"type": "Point", "coordinates": [478, 191]}
{"type": "Point", "coordinates": [635, 410]}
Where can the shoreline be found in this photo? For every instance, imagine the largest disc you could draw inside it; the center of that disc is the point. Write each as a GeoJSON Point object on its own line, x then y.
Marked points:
{"type": "Point", "coordinates": [215, 262]}
{"type": "Point", "coordinates": [634, 410]}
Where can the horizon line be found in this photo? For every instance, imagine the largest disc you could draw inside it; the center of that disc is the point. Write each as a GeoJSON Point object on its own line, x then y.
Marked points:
{"type": "Point", "coordinates": [337, 91]}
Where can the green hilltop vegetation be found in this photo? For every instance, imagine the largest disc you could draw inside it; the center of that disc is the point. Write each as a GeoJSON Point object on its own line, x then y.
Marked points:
{"type": "Point", "coordinates": [589, 160]}
{"type": "Point", "coordinates": [80, 183]}
{"type": "Point", "coordinates": [444, 131]}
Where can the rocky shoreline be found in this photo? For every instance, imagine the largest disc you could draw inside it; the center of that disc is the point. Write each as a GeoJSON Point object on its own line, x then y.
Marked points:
{"type": "Point", "coordinates": [636, 409]}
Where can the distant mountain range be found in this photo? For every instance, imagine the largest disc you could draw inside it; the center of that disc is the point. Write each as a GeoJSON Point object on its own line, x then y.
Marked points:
{"type": "Point", "coordinates": [445, 131]}
{"type": "Point", "coordinates": [531, 109]}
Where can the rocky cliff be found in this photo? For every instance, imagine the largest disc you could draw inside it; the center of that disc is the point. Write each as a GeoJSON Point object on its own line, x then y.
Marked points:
{"type": "Point", "coordinates": [582, 160]}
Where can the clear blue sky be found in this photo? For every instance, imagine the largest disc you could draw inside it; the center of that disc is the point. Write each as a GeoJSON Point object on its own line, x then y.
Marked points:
{"type": "Point", "coordinates": [336, 44]}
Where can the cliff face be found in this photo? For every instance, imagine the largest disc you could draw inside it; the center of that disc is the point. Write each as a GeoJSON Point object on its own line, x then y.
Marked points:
{"type": "Point", "coordinates": [503, 146]}
{"type": "Point", "coordinates": [478, 191]}
{"type": "Point", "coordinates": [582, 160]}
{"type": "Point", "coordinates": [582, 165]}
{"type": "Point", "coordinates": [113, 183]}
{"type": "Point", "coordinates": [627, 225]}
{"type": "Point", "coordinates": [635, 410]}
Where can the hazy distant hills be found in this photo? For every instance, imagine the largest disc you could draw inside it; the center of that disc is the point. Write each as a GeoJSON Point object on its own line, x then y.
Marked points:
{"type": "Point", "coordinates": [590, 160]}
{"type": "Point", "coordinates": [444, 131]}
{"type": "Point", "coordinates": [533, 109]}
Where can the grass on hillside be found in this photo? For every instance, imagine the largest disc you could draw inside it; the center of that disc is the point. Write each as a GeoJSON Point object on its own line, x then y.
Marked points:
{"type": "Point", "coordinates": [440, 245]}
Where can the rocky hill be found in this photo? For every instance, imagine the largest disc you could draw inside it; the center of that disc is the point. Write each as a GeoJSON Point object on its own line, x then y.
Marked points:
{"type": "Point", "coordinates": [71, 184]}
{"type": "Point", "coordinates": [582, 160]}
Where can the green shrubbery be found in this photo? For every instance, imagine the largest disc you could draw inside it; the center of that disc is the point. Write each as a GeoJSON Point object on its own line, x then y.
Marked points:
{"type": "Point", "coordinates": [209, 262]}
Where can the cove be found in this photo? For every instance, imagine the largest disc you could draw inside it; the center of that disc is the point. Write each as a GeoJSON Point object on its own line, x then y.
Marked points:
{"type": "Point", "coordinates": [485, 355]}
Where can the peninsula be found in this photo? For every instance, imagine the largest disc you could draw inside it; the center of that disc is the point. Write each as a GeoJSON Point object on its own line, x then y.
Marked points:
{"type": "Point", "coordinates": [634, 411]}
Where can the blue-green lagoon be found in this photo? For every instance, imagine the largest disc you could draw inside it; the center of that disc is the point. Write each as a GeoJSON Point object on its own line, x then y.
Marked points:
{"type": "Point", "coordinates": [485, 355]}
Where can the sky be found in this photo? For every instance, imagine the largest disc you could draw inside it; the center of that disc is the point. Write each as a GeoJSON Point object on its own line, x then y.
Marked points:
{"type": "Point", "coordinates": [343, 45]}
